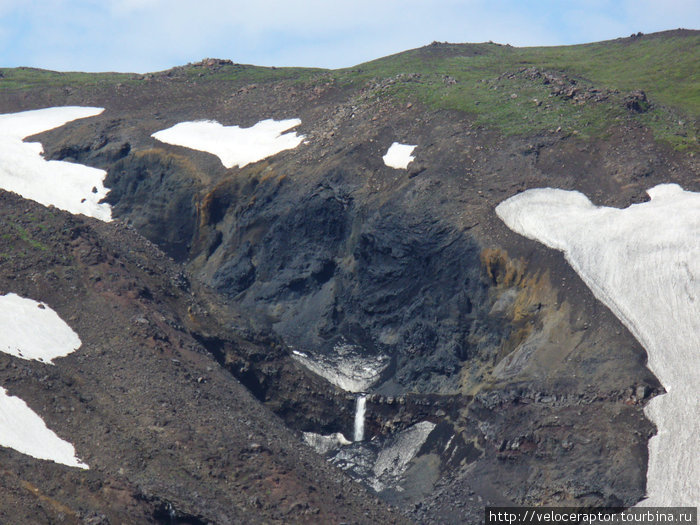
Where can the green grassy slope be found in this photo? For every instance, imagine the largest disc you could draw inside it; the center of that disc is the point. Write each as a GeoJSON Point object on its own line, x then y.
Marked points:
{"type": "Point", "coordinates": [24, 78]}
{"type": "Point", "coordinates": [491, 82]}
{"type": "Point", "coordinates": [487, 80]}
{"type": "Point", "coordinates": [666, 67]}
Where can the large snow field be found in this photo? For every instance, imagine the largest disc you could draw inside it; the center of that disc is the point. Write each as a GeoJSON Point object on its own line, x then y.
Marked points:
{"type": "Point", "coordinates": [399, 156]}
{"type": "Point", "coordinates": [32, 330]}
{"type": "Point", "coordinates": [23, 170]}
{"type": "Point", "coordinates": [643, 262]}
{"type": "Point", "coordinates": [235, 146]}
{"type": "Point", "coordinates": [24, 431]}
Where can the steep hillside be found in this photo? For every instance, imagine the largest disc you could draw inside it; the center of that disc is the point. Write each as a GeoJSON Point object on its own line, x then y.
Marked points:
{"type": "Point", "coordinates": [168, 434]}
{"type": "Point", "coordinates": [492, 372]}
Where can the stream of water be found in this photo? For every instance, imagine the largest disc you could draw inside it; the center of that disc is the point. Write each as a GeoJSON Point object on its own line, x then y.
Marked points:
{"type": "Point", "coordinates": [360, 405]}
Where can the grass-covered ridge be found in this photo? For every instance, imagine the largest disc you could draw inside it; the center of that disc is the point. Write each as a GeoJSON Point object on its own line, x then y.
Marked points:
{"type": "Point", "coordinates": [487, 80]}
{"type": "Point", "coordinates": [500, 85]}
{"type": "Point", "coordinates": [666, 67]}
{"type": "Point", "coordinates": [24, 78]}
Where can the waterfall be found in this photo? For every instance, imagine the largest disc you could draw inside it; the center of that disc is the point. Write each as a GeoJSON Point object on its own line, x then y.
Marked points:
{"type": "Point", "coordinates": [360, 404]}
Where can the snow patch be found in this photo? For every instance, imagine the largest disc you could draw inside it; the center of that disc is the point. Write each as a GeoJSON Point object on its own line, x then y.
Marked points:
{"type": "Point", "coordinates": [32, 330]}
{"type": "Point", "coordinates": [382, 464]}
{"type": "Point", "coordinates": [325, 444]}
{"type": "Point", "coordinates": [392, 461]}
{"type": "Point", "coordinates": [345, 366]}
{"type": "Point", "coordinates": [235, 146]}
{"type": "Point", "coordinates": [24, 431]}
{"type": "Point", "coordinates": [643, 262]}
{"type": "Point", "coordinates": [23, 170]}
{"type": "Point", "coordinates": [399, 156]}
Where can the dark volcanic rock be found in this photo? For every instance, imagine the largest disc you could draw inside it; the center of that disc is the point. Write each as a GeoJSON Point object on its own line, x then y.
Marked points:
{"type": "Point", "coordinates": [156, 191]}
{"type": "Point", "coordinates": [378, 281]}
{"type": "Point", "coordinates": [637, 101]}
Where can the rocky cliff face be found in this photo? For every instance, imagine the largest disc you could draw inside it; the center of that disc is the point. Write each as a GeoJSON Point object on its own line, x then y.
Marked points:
{"type": "Point", "coordinates": [534, 389]}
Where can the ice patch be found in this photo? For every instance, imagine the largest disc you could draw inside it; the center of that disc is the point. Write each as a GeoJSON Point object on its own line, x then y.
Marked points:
{"type": "Point", "coordinates": [32, 330]}
{"type": "Point", "coordinates": [325, 444]}
{"type": "Point", "coordinates": [392, 460]}
{"type": "Point", "coordinates": [233, 145]}
{"type": "Point", "coordinates": [345, 367]}
{"type": "Point", "coordinates": [643, 262]}
{"type": "Point", "coordinates": [24, 431]}
{"type": "Point", "coordinates": [23, 170]}
{"type": "Point", "coordinates": [399, 156]}
{"type": "Point", "coordinates": [382, 465]}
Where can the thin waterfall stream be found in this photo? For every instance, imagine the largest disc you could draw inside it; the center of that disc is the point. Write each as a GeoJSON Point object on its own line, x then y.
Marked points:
{"type": "Point", "coordinates": [360, 405]}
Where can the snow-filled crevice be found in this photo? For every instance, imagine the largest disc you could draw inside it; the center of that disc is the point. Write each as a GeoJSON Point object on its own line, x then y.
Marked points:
{"type": "Point", "coordinates": [643, 262]}
{"type": "Point", "coordinates": [71, 187]}
{"type": "Point", "coordinates": [235, 146]}
{"type": "Point", "coordinates": [347, 366]}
